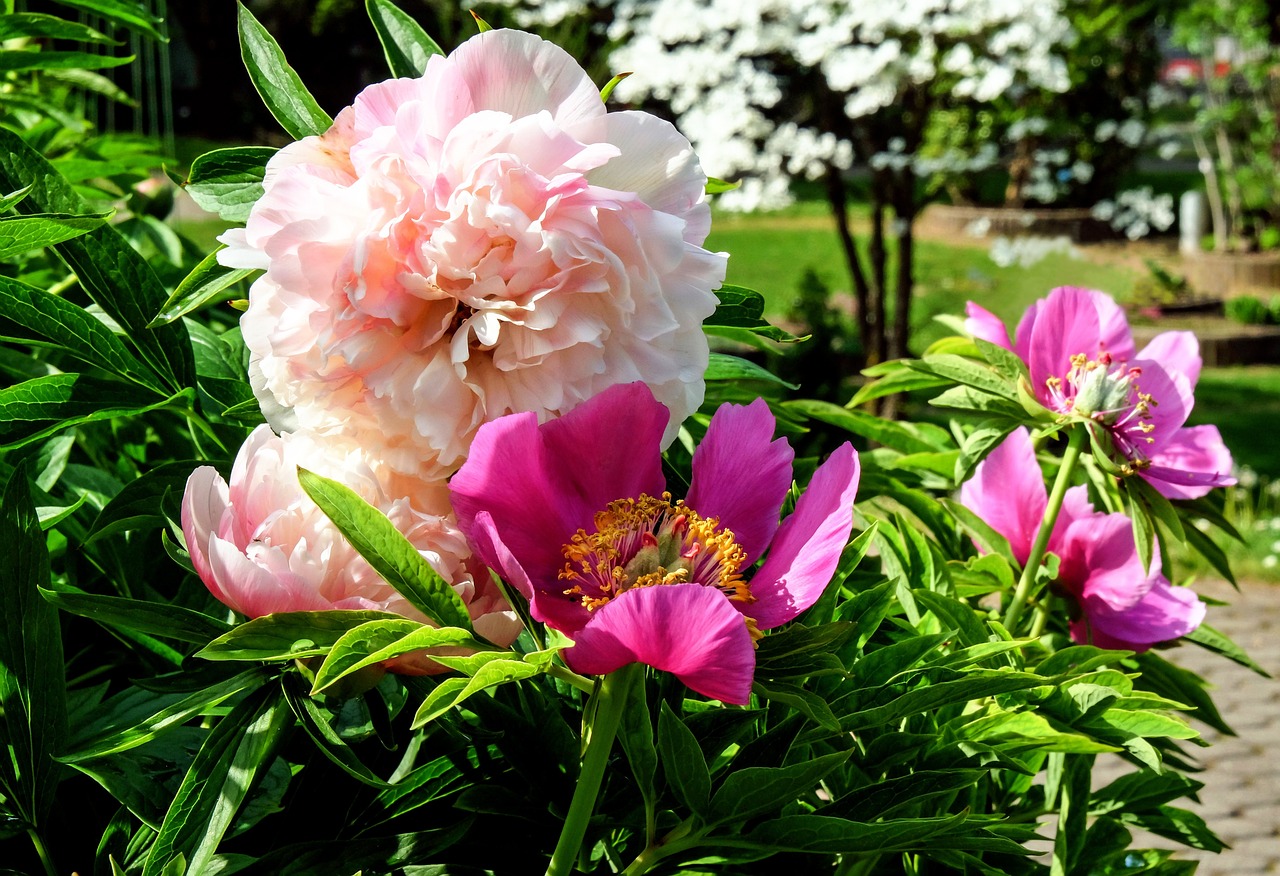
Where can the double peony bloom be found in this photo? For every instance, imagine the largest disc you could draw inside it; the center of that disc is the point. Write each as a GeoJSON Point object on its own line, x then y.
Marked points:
{"type": "Point", "coordinates": [481, 241]}
{"type": "Point", "coordinates": [1082, 359]}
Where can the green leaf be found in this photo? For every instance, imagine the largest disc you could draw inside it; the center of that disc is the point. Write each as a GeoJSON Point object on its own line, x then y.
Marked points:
{"type": "Point", "coordinates": [1178, 825]}
{"type": "Point", "coordinates": [19, 234]}
{"type": "Point", "coordinates": [382, 640]}
{"type": "Point", "coordinates": [741, 307]}
{"type": "Point", "coordinates": [722, 366]}
{"type": "Point", "coordinates": [33, 704]}
{"type": "Point", "coordinates": [206, 284]}
{"type": "Point", "coordinates": [1144, 530]}
{"type": "Point", "coordinates": [9, 201]}
{"type": "Point", "coordinates": [1141, 790]}
{"type": "Point", "coordinates": [154, 618]}
{"type": "Point", "coordinates": [810, 704]}
{"type": "Point", "coordinates": [635, 733]}
{"type": "Point", "coordinates": [130, 15]}
{"type": "Point", "coordinates": [1007, 363]}
{"type": "Point", "coordinates": [288, 635]}
{"type": "Point", "coordinates": [968, 373]}
{"type": "Point", "coordinates": [281, 89]}
{"type": "Point", "coordinates": [717, 186]}
{"type": "Point", "coordinates": [682, 762]}
{"type": "Point", "coordinates": [754, 791]}
{"type": "Point", "coordinates": [883, 799]}
{"type": "Point", "coordinates": [387, 550]}
{"type": "Point", "coordinates": [1207, 637]}
{"type": "Point", "coordinates": [117, 278]}
{"type": "Point", "coordinates": [37, 408]}
{"type": "Point", "coordinates": [138, 504]}
{"type": "Point", "coordinates": [973, 686]}
{"type": "Point", "coordinates": [894, 377]}
{"type": "Point", "coordinates": [1207, 548]}
{"type": "Point", "coordinates": [234, 755]}
{"type": "Point", "coordinates": [14, 60]}
{"type": "Point", "coordinates": [453, 691]}
{"type": "Point", "coordinates": [905, 437]}
{"type": "Point", "coordinates": [604, 98]}
{"type": "Point", "coordinates": [34, 24]}
{"type": "Point", "coordinates": [980, 531]}
{"type": "Point", "coordinates": [481, 23]}
{"type": "Point", "coordinates": [229, 181]}
{"type": "Point", "coordinates": [984, 438]}
{"type": "Point", "coordinates": [821, 834]}
{"type": "Point", "coordinates": [72, 329]}
{"type": "Point", "coordinates": [404, 42]}
{"type": "Point", "coordinates": [331, 745]}
{"type": "Point", "coordinates": [112, 739]}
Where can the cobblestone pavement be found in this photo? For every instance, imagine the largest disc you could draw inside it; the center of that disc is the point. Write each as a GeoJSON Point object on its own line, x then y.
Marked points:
{"type": "Point", "coordinates": [1241, 796]}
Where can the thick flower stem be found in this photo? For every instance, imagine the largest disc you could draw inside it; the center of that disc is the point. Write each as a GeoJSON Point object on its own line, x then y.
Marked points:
{"type": "Point", "coordinates": [36, 841]}
{"type": "Point", "coordinates": [613, 696]}
{"type": "Point", "coordinates": [1069, 459]}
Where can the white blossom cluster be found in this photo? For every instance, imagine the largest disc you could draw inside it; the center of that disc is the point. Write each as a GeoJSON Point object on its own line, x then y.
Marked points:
{"type": "Point", "coordinates": [1136, 212]}
{"type": "Point", "coordinates": [733, 71]}
{"type": "Point", "coordinates": [1026, 251]}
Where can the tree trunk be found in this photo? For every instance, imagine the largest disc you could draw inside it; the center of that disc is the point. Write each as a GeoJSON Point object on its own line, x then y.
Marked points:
{"type": "Point", "coordinates": [838, 199]}
{"type": "Point", "coordinates": [875, 341]}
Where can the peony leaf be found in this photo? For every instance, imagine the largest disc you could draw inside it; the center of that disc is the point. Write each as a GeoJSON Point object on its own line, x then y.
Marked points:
{"type": "Point", "coordinates": [229, 181]}
{"type": "Point", "coordinates": [407, 46]}
{"type": "Point", "coordinates": [683, 763]}
{"type": "Point", "coordinates": [818, 833]}
{"type": "Point", "coordinates": [608, 90]}
{"type": "Point", "coordinates": [742, 308]}
{"type": "Point", "coordinates": [19, 234]}
{"type": "Point", "coordinates": [39, 407]}
{"type": "Point", "coordinates": [13, 60]}
{"type": "Point", "coordinates": [34, 24]}
{"type": "Point", "coordinates": [102, 741]}
{"type": "Point", "coordinates": [719, 186]}
{"type": "Point", "coordinates": [159, 619]}
{"type": "Point", "coordinates": [386, 549]}
{"type": "Point", "coordinates": [138, 504]}
{"type": "Point", "coordinates": [318, 727]}
{"type": "Point", "coordinates": [722, 366]}
{"type": "Point", "coordinates": [33, 705]}
{"type": "Point", "coordinates": [238, 749]}
{"type": "Point", "coordinates": [288, 635]}
{"type": "Point", "coordinates": [49, 318]}
{"type": "Point", "coordinates": [378, 641]}
{"type": "Point", "coordinates": [969, 373]}
{"type": "Point", "coordinates": [125, 13]}
{"type": "Point", "coordinates": [206, 284]}
{"type": "Point", "coordinates": [481, 23]}
{"type": "Point", "coordinates": [904, 437]}
{"type": "Point", "coordinates": [117, 278]}
{"type": "Point", "coordinates": [754, 791]}
{"type": "Point", "coordinates": [278, 84]}
{"type": "Point", "coordinates": [453, 691]}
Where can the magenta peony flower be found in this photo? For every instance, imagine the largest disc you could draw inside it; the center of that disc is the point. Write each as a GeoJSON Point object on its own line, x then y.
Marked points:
{"type": "Point", "coordinates": [574, 514]}
{"type": "Point", "coordinates": [1078, 348]}
{"type": "Point", "coordinates": [262, 546]}
{"type": "Point", "coordinates": [483, 240]}
{"type": "Point", "coordinates": [1120, 605]}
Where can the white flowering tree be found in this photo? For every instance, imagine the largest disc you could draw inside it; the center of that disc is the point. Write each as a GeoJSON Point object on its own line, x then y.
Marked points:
{"type": "Point", "coordinates": [775, 89]}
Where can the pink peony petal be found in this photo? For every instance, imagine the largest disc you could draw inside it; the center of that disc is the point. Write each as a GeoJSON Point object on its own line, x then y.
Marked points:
{"type": "Point", "coordinates": [542, 484]}
{"type": "Point", "coordinates": [1100, 563]}
{"type": "Point", "coordinates": [1007, 491]}
{"type": "Point", "coordinates": [741, 474]}
{"type": "Point", "coordinates": [1191, 463]}
{"type": "Point", "coordinates": [522, 75]}
{"type": "Point", "coordinates": [1172, 398]}
{"type": "Point", "coordinates": [204, 504]}
{"type": "Point", "coordinates": [807, 548]}
{"type": "Point", "coordinates": [254, 591]}
{"type": "Point", "coordinates": [1066, 325]}
{"type": "Point", "coordinates": [1163, 614]}
{"type": "Point", "coordinates": [982, 323]}
{"type": "Point", "coordinates": [1178, 352]}
{"type": "Point", "coordinates": [688, 630]}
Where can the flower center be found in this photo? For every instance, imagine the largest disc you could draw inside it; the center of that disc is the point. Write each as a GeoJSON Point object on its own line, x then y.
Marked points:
{"type": "Point", "coordinates": [1096, 390]}
{"type": "Point", "coordinates": [646, 541]}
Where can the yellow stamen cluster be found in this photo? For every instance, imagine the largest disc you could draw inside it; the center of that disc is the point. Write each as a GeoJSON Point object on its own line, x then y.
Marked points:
{"type": "Point", "coordinates": [648, 541]}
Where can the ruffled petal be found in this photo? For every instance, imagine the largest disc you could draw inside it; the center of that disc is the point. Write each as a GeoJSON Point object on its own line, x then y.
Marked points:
{"type": "Point", "coordinates": [204, 503]}
{"type": "Point", "coordinates": [1173, 400]}
{"type": "Point", "coordinates": [1164, 613]}
{"type": "Point", "coordinates": [982, 323]}
{"type": "Point", "coordinates": [254, 591]}
{"type": "Point", "coordinates": [540, 484]}
{"type": "Point", "coordinates": [807, 548]}
{"type": "Point", "coordinates": [1065, 325]}
{"type": "Point", "coordinates": [1177, 352]}
{"type": "Point", "coordinates": [1007, 491]}
{"type": "Point", "coordinates": [1192, 462]}
{"type": "Point", "coordinates": [521, 74]}
{"type": "Point", "coordinates": [688, 630]}
{"type": "Point", "coordinates": [741, 475]}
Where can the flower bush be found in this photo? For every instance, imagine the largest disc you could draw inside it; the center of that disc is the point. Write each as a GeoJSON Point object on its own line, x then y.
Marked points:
{"type": "Point", "coordinates": [469, 430]}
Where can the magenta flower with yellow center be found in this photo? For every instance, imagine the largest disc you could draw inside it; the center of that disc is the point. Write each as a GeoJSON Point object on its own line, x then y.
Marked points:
{"type": "Point", "coordinates": [574, 513]}
{"type": "Point", "coordinates": [1083, 364]}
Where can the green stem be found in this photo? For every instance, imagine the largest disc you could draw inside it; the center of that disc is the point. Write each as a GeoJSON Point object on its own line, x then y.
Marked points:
{"type": "Point", "coordinates": [677, 840]}
{"type": "Point", "coordinates": [1042, 615]}
{"type": "Point", "coordinates": [1069, 458]}
{"type": "Point", "coordinates": [581, 682]}
{"type": "Point", "coordinates": [42, 852]}
{"type": "Point", "coordinates": [613, 696]}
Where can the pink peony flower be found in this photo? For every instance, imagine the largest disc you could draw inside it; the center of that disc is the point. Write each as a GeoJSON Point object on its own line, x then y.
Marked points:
{"type": "Point", "coordinates": [1078, 348]}
{"type": "Point", "coordinates": [1120, 606]}
{"type": "Point", "coordinates": [262, 546]}
{"type": "Point", "coordinates": [484, 240]}
{"type": "Point", "coordinates": [574, 514]}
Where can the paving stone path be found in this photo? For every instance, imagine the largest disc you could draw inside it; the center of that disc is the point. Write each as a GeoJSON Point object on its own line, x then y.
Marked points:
{"type": "Point", "coordinates": [1241, 797]}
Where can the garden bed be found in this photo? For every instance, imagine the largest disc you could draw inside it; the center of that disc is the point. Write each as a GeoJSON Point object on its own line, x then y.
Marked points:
{"type": "Point", "coordinates": [1227, 274]}
{"type": "Point", "coordinates": [950, 221]}
{"type": "Point", "coordinates": [1222, 342]}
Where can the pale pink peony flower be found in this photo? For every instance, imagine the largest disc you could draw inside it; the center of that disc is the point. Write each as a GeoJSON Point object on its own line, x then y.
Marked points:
{"type": "Point", "coordinates": [480, 241]}
{"type": "Point", "coordinates": [262, 546]}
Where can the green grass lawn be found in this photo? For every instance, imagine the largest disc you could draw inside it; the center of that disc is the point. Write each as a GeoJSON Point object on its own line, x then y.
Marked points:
{"type": "Point", "coordinates": [772, 252]}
